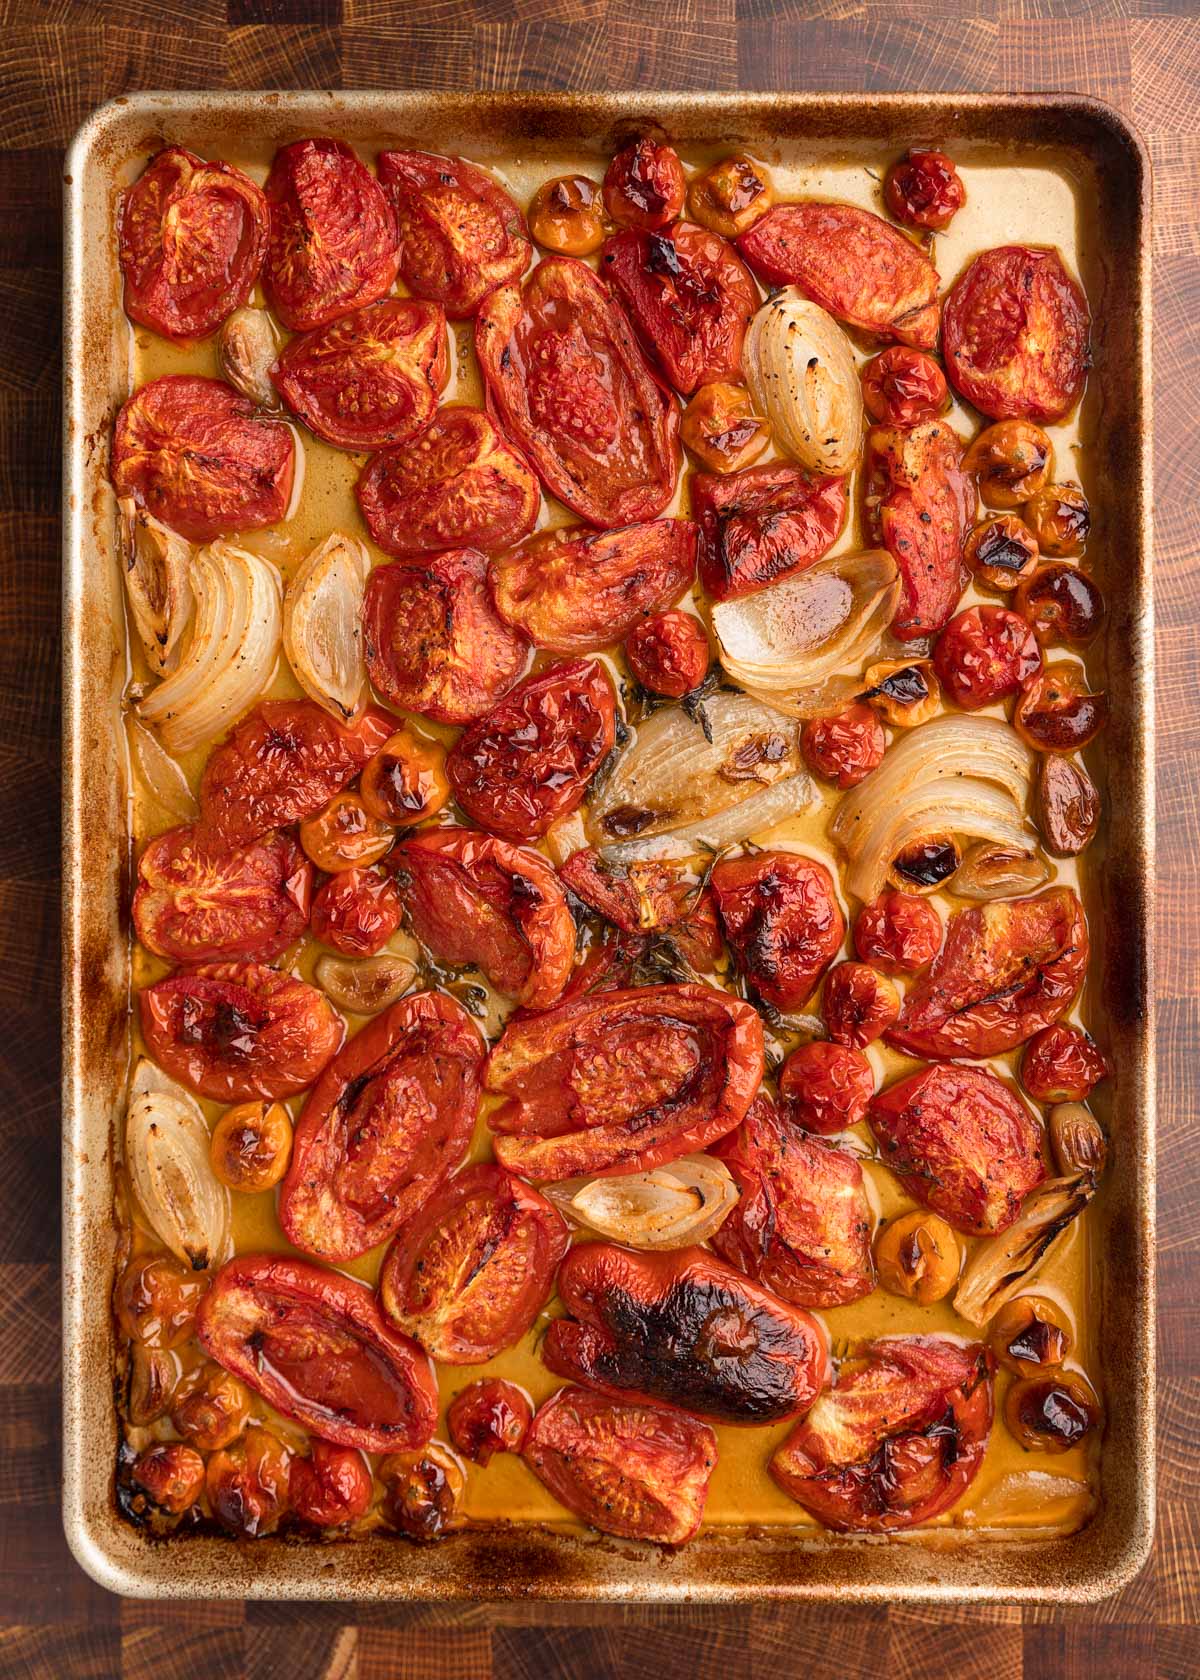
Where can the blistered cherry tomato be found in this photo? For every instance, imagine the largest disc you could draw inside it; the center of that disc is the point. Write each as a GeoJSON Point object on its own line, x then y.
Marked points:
{"type": "Point", "coordinates": [1060, 519]}
{"type": "Point", "coordinates": [460, 232]}
{"type": "Point", "coordinates": [858, 1004]}
{"type": "Point", "coordinates": [844, 748]}
{"type": "Point", "coordinates": [1002, 552]}
{"type": "Point", "coordinates": [251, 1146]}
{"type": "Point", "coordinates": [489, 1417]}
{"type": "Point", "coordinates": [201, 900]}
{"type": "Point", "coordinates": [1028, 1335]}
{"type": "Point", "coordinates": [919, 503]}
{"type": "Point", "coordinates": [903, 387]}
{"type": "Point", "coordinates": [423, 1491]}
{"type": "Point", "coordinates": [345, 835]}
{"type": "Point", "coordinates": [1058, 712]}
{"type": "Point", "coordinates": [333, 244]}
{"type": "Point", "coordinates": [155, 1301]}
{"type": "Point", "coordinates": [1051, 1414]}
{"type": "Point", "coordinates": [566, 214]}
{"type": "Point", "coordinates": [1061, 1065]}
{"type": "Point", "coordinates": [644, 185]}
{"type": "Point", "coordinates": [919, 1257]}
{"type": "Point", "coordinates": [248, 1483]}
{"type": "Point", "coordinates": [898, 933]}
{"type": "Point", "coordinates": [1011, 460]}
{"type": "Point", "coordinates": [782, 920]}
{"type": "Point", "coordinates": [331, 1487]}
{"type": "Point", "coordinates": [730, 196]}
{"type": "Point", "coordinates": [924, 190]}
{"type": "Point", "coordinates": [669, 653]}
{"type": "Point", "coordinates": [905, 692]}
{"type": "Point", "coordinates": [1068, 805]}
{"type": "Point", "coordinates": [721, 429]}
{"type": "Point", "coordinates": [1015, 335]}
{"type": "Point", "coordinates": [171, 1475]}
{"type": "Point", "coordinates": [1062, 604]}
{"type": "Point", "coordinates": [826, 1087]}
{"type": "Point", "coordinates": [211, 1410]}
{"type": "Point", "coordinates": [406, 782]}
{"type": "Point", "coordinates": [193, 236]}
{"type": "Point", "coordinates": [356, 912]}
{"type": "Point", "coordinates": [763, 524]}
{"type": "Point", "coordinates": [985, 653]}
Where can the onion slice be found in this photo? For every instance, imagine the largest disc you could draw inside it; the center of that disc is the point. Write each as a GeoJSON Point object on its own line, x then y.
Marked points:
{"type": "Point", "coordinates": [157, 564]}
{"type": "Point", "coordinates": [167, 1157]}
{"type": "Point", "coordinates": [230, 655]}
{"type": "Point", "coordinates": [683, 1202]}
{"type": "Point", "coordinates": [755, 814]}
{"type": "Point", "coordinates": [1004, 1264]}
{"type": "Point", "coordinates": [322, 625]}
{"type": "Point", "coordinates": [160, 774]}
{"type": "Point", "coordinates": [802, 376]}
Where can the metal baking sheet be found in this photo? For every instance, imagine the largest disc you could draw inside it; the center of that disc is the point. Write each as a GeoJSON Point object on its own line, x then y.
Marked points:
{"type": "Point", "coordinates": [1097, 146]}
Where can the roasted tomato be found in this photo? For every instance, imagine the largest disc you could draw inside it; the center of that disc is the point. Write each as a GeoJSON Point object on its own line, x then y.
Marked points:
{"type": "Point", "coordinates": [566, 380]}
{"type": "Point", "coordinates": [1061, 1064]}
{"type": "Point", "coordinates": [247, 1483]}
{"type": "Point", "coordinates": [1015, 335]}
{"type": "Point", "coordinates": [433, 641]}
{"type": "Point", "coordinates": [424, 1491]}
{"type": "Point", "coordinates": [170, 1475]}
{"type": "Point", "coordinates": [469, 1274]}
{"type": "Point", "coordinates": [1001, 552]}
{"type": "Point", "coordinates": [460, 232]}
{"type": "Point", "coordinates": [406, 782]}
{"type": "Point", "coordinates": [853, 264]}
{"type": "Point", "coordinates": [897, 1441]}
{"type": "Point", "coordinates": [1068, 805]}
{"type": "Point", "coordinates": [1051, 1414]}
{"type": "Point", "coordinates": [1011, 461]}
{"type": "Point", "coordinates": [669, 653]}
{"type": "Point", "coordinates": [193, 236]}
{"type": "Point", "coordinates": [689, 295]}
{"type": "Point", "coordinates": [251, 1146]}
{"type": "Point", "coordinates": [644, 185]}
{"type": "Point", "coordinates": [905, 692]}
{"type": "Point", "coordinates": [345, 835]}
{"type": "Point", "coordinates": [682, 1328]}
{"type": "Point", "coordinates": [155, 1301]}
{"type": "Point", "coordinates": [924, 190]}
{"type": "Point", "coordinates": [826, 1087]}
{"type": "Point", "coordinates": [333, 245]}
{"type": "Point", "coordinates": [201, 459]}
{"type": "Point", "coordinates": [919, 1257]}
{"type": "Point", "coordinates": [574, 590]}
{"type": "Point", "coordinates": [625, 1468]}
{"type": "Point", "coordinates": [370, 379]}
{"type": "Point", "coordinates": [1005, 971]}
{"type": "Point", "coordinates": [803, 1224]}
{"type": "Point", "coordinates": [331, 1487]}
{"type": "Point", "coordinates": [730, 196]}
{"type": "Point", "coordinates": [782, 920]}
{"type": "Point", "coordinates": [567, 215]}
{"type": "Point", "coordinates": [638, 897]}
{"type": "Point", "coordinates": [1060, 519]}
{"type": "Point", "coordinates": [528, 762]}
{"type": "Point", "coordinates": [356, 912]}
{"type": "Point", "coordinates": [846, 747]}
{"type": "Point", "coordinates": [238, 1030]}
{"type": "Point", "coordinates": [920, 503]}
{"type": "Point", "coordinates": [478, 901]}
{"type": "Point", "coordinates": [211, 1410]}
{"type": "Point", "coordinates": [858, 1005]}
{"type": "Point", "coordinates": [460, 485]}
{"type": "Point", "coordinates": [621, 1081]}
{"type": "Point", "coordinates": [282, 763]}
{"type": "Point", "coordinates": [314, 1344]}
{"type": "Point", "coordinates": [1058, 712]}
{"type": "Point", "coordinates": [1028, 1335]}
{"type": "Point", "coordinates": [489, 1417]}
{"type": "Point", "coordinates": [962, 1143]}
{"type": "Point", "coordinates": [903, 387]}
{"type": "Point", "coordinates": [1062, 604]}
{"type": "Point", "coordinates": [389, 1120]}
{"type": "Point", "coordinates": [985, 653]}
{"type": "Point", "coordinates": [762, 525]}
{"type": "Point", "coordinates": [721, 429]}
{"type": "Point", "coordinates": [200, 900]}
{"type": "Point", "coordinates": [898, 933]}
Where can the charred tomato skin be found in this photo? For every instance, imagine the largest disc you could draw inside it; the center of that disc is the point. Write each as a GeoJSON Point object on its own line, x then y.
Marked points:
{"type": "Point", "coordinates": [1012, 460]}
{"type": "Point", "coordinates": [782, 921]}
{"type": "Point", "coordinates": [845, 747]}
{"type": "Point", "coordinates": [155, 1301]}
{"type": "Point", "coordinates": [898, 933]}
{"type": "Point", "coordinates": [488, 1417]}
{"type": "Point", "coordinates": [644, 185]}
{"type": "Point", "coordinates": [826, 1087]}
{"type": "Point", "coordinates": [356, 911]}
{"type": "Point", "coordinates": [460, 232]}
{"type": "Point", "coordinates": [858, 1004]}
{"type": "Point", "coordinates": [984, 654]}
{"type": "Point", "coordinates": [1002, 552]}
{"type": "Point", "coordinates": [1068, 805]}
{"type": "Point", "coordinates": [1062, 603]}
{"type": "Point", "coordinates": [1060, 518]}
{"type": "Point", "coordinates": [199, 900]}
{"type": "Point", "coordinates": [924, 190]}
{"type": "Point", "coordinates": [1051, 1413]}
{"type": "Point", "coordinates": [1057, 712]}
{"type": "Point", "coordinates": [1061, 1064]}
{"type": "Point", "coordinates": [668, 653]}
{"type": "Point", "coordinates": [345, 835]}
{"type": "Point", "coordinates": [763, 524]}
{"type": "Point", "coordinates": [919, 501]}
{"type": "Point", "coordinates": [903, 387]}
{"type": "Point", "coordinates": [405, 782]}
{"type": "Point", "coordinates": [331, 1487]}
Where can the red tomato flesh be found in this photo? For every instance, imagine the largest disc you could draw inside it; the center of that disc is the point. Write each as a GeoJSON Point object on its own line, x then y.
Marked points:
{"type": "Point", "coordinates": [920, 503]}
{"type": "Point", "coordinates": [460, 232]}
{"type": "Point", "coordinates": [201, 900]}
{"type": "Point", "coordinates": [763, 524]}
{"type": "Point", "coordinates": [782, 920]}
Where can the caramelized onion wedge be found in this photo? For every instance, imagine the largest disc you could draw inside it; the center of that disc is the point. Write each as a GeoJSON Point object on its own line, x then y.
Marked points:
{"type": "Point", "coordinates": [167, 1158]}
{"type": "Point", "coordinates": [322, 625]}
{"type": "Point", "coordinates": [1004, 1264]}
{"type": "Point", "coordinates": [230, 655]}
{"type": "Point", "coordinates": [157, 564]}
{"type": "Point", "coordinates": [367, 986]}
{"type": "Point", "coordinates": [993, 871]}
{"type": "Point", "coordinates": [801, 373]}
{"type": "Point", "coordinates": [758, 811]}
{"type": "Point", "coordinates": [671, 1206]}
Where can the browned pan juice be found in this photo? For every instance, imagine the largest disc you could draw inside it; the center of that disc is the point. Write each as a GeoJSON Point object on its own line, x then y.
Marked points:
{"type": "Point", "coordinates": [1028, 200]}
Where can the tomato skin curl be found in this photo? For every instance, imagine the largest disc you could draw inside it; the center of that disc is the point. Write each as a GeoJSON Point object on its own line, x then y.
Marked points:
{"type": "Point", "coordinates": [684, 1329]}
{"type": "Point", "coordinates": [314, 1344]}
{"type": "Point", "coordinates": [897, 1440]}
{"type": "Point", "coordinates": [620, 1081]}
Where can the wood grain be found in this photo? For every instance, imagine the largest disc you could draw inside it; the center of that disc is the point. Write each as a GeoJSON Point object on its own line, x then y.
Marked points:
{"type": "Point", "coordinates": [59, 58]}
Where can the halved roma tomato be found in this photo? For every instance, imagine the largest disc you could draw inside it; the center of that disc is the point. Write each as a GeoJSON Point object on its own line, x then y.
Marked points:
{"type": "Point", "coordinates": [433, 641]}
{"type": "Point", "coordinates": [689, 295]}
{"type": "Point", "coordinates": [897, 1440]}
{"type": "Point", "coordinates": [1005, 971]}
{"type": "Point", "coordinates": [201, 458]}
{"type": "Point", "coordinates": [621, 1081]}
{"type": "Point", "coordinates": [201, 900]}
{"type": "Point", "coordinates": [370, 379]}
{"type": "Point", "coordinates": [193, 236]}
{"type": "Point", "coordinates": [316, 1347]}
{"type": "Point", "coordinates": [460, 485]}
{"type": "Point", "coordinates": [331, 1487]}
{"type": "Point", "coordinates": [683, 1328]}
{"type": "Point", "coordinates": [985, 653]}
{"type": "Point", "coordinates": [528, 762]}
{"type": "Point", "coordinates": [850, 262]}
{"type": "Point", "coordinates": [469, 1274]}
{"type": "Point", "coordinates": [460, 232]}
{"type": "Point", "coordinates": [1016, 332]}
{"type": "Point", "coordinates": [803, 1225]}
{"type": "Point", "coordinates": [356, 911]}
{"type": "Point", "coordinates": [782, 920]}
{"type": "Point", "coordinates": [638, 897]}
{"type": "Point", "coordinates": [333, 244]}
{"type": "Point", "coordinates": [574, 590]}
{"type": "Point", "coordinates": [566, 380]}
{"type": "Point", "coordinates": [919, 503]}
{"type": "Point", "coordinates": [283, 762]}
{"type": "Point", "coordinates": [644, 185]}
{"type": "Point", "coordinates": [763, 524]}
{"type": "Point", "coordinates": [388, 1121]}
{"type": "Point", "coordinates": [236, 1030]}
{"type": "Point", "coordinates": [962, 1143]}
{"type": "Point", "coordinates": [501, 908]}
{"type": "Point", "coordinates": [826, 1087]}
{"type": "Point", "coordinates": [626, 1469]}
